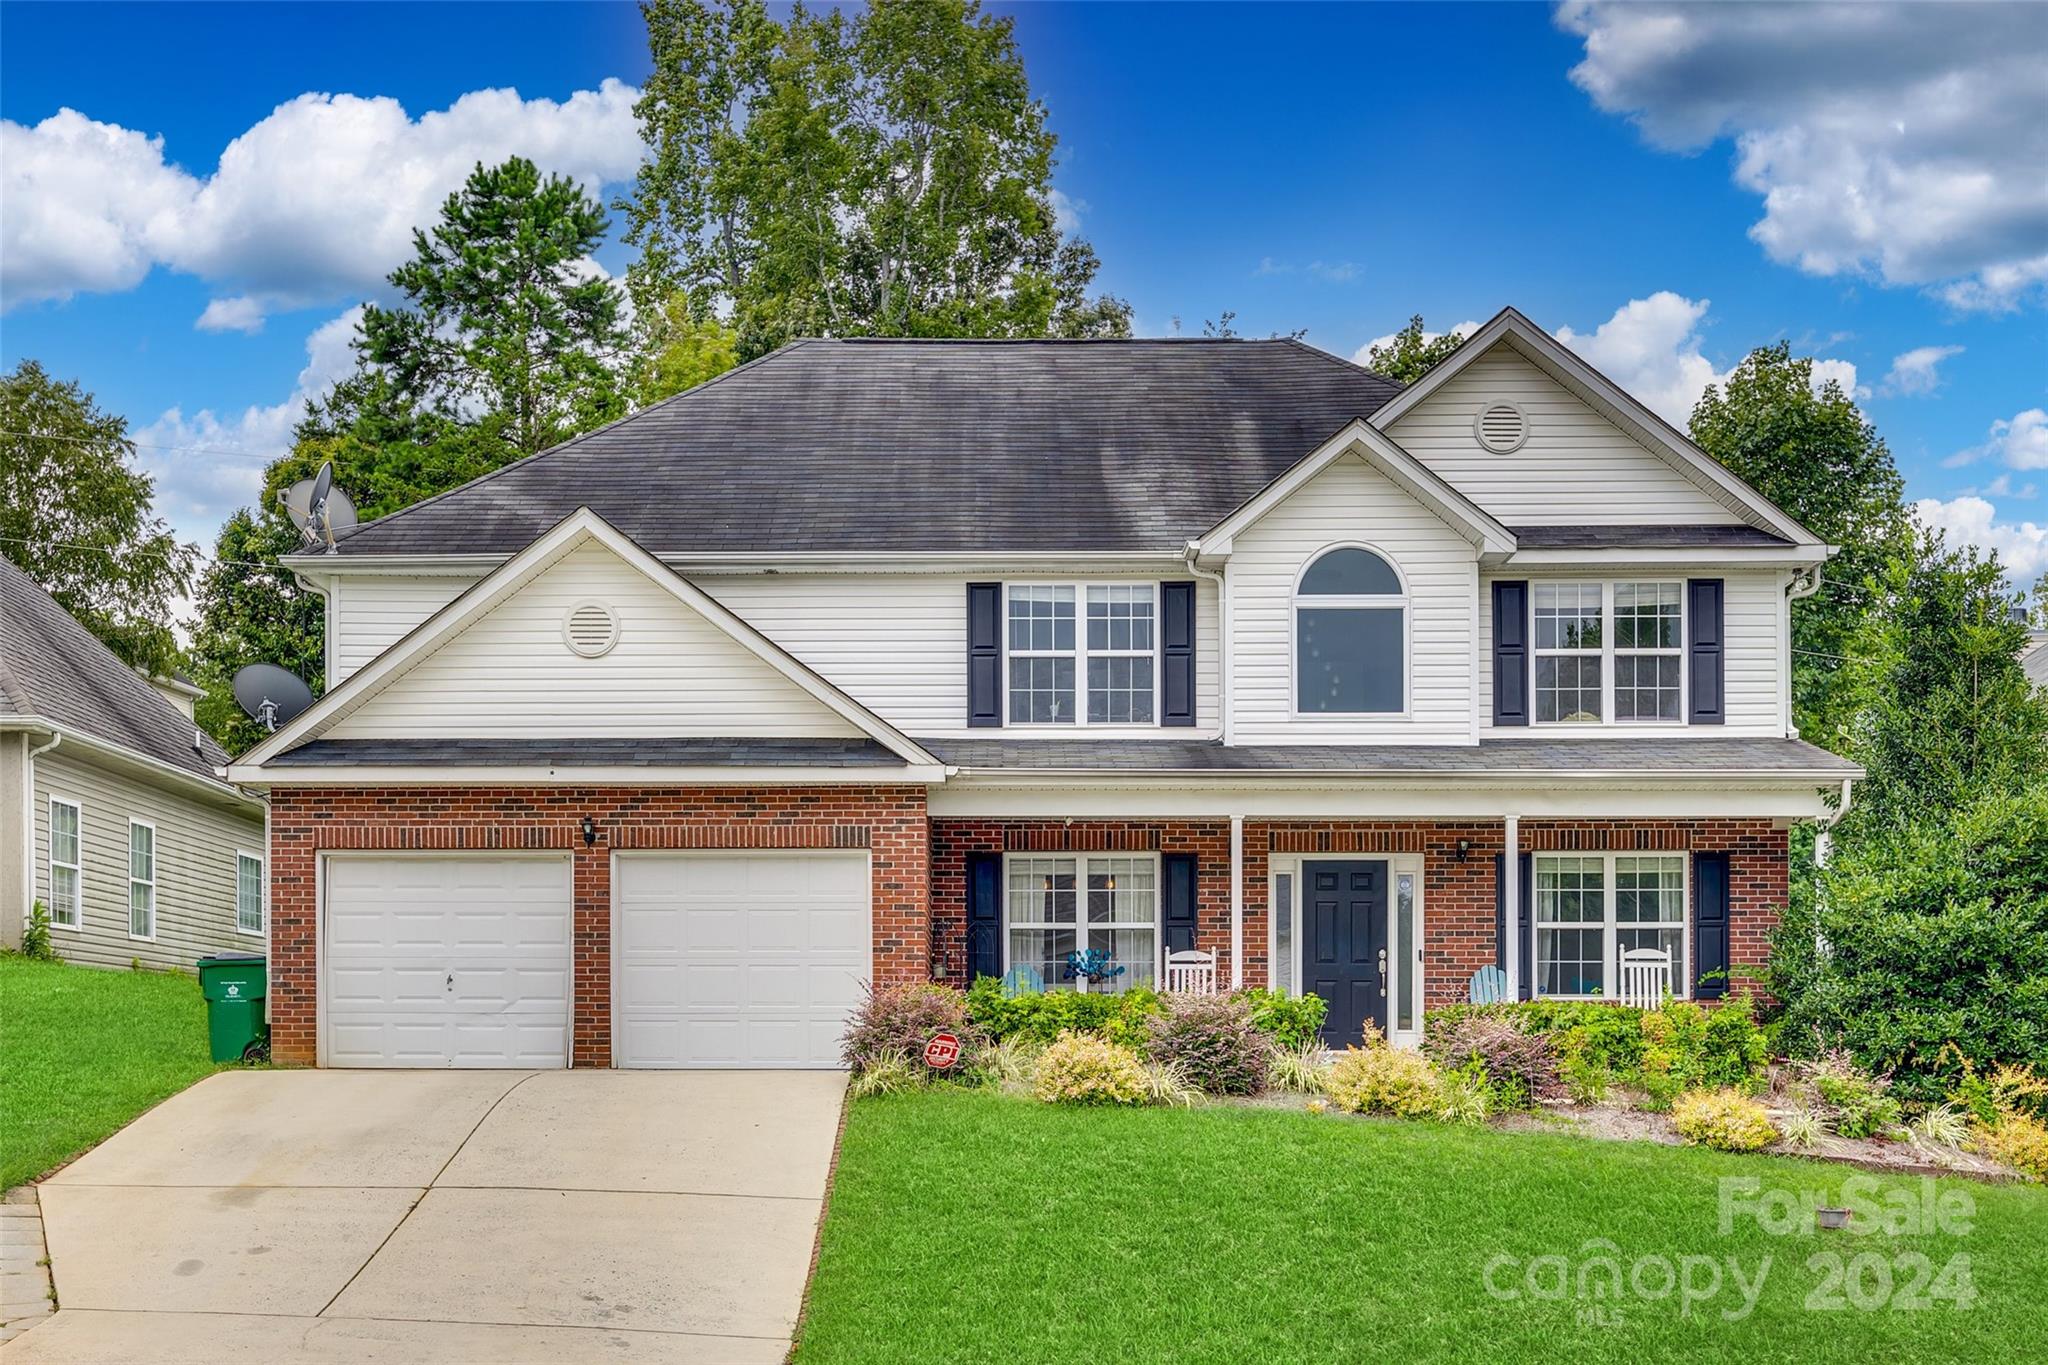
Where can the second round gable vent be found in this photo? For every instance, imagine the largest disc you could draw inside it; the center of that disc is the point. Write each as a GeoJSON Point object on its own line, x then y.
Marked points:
{"type": "Point", "coordinates": [591, 629]}
{"type": "Point", "coordinates": [1501, 427]}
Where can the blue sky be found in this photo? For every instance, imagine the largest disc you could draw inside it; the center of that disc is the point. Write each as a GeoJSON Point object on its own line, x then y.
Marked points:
{"type": "Point", "coordinates": [1869, 184]}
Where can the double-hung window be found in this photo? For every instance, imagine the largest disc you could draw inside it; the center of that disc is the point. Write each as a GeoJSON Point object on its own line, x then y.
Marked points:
{"type": "Point", "coordinates": [248, 893]}
{"type": "Point", "coordinates": [1057, 906]}
{"type": "Point", "coordinates": [1591, 908]}
{"type": "Point", "coordinates": [1608, 651]}
{"type": "Point", "coordinates": [1083, 654]}
{"type": "Point", "coordinates": [67, 899]}
{"type": "Point", "coordinates": [141, 879]}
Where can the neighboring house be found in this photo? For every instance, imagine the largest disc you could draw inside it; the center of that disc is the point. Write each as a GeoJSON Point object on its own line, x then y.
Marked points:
{"type": "Point", "coordinates": [2034, 658]}
{"type": "Point", "coordinates": [922, 659]}
{"type": "Point", "coordinates": [113, 814]}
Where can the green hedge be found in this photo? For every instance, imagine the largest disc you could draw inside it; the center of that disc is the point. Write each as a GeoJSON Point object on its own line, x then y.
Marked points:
{"type": "Point", "coordinates": [1042, 1016]}
{"type": "Point", "coordinates": [1680, 1047]}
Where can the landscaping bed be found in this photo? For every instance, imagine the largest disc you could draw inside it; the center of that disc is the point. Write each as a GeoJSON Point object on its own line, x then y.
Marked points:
{"type": "Point", "coordinates": [83, 1051]}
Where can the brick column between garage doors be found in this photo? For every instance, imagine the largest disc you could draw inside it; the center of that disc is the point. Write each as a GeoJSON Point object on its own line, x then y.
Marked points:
{"type": "Point", "coordinates": [305, 821]}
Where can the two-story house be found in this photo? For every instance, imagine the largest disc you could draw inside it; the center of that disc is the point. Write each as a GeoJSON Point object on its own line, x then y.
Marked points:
{"type": "Point", "coordinates": [934, 659]}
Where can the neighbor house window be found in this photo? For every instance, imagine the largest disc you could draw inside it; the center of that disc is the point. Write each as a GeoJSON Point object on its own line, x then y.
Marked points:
{"type": "Point", "coordinates": [1591, 908]}
{"type": "Point", "coordinates": [1350, 636]}
{"type": "Point", "coordinates": [66, 886]}
{"type": "Point", "coordinates": [1596, 641]}
{"type": "Point", "coordinates": [1057, 906]}
{"type": "Point", "coordinates": [141, 880]}
{"type": "Point", "coordinates": [248, 893]}
{"type": "Point", "coordinates": [1111, 651]}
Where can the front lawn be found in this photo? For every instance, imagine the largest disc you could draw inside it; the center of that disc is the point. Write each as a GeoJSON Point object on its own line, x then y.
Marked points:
{"type": "Point", "coordinates": [83, 1051]}
{"type": "Point", "coordinates": [973, 1226]}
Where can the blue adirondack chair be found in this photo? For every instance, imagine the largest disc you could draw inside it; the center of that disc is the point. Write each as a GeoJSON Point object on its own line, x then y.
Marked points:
{"type": "Point", "coordinates": [1489, 986]}
{"type": "Point", "coordinates": [1023, 981]}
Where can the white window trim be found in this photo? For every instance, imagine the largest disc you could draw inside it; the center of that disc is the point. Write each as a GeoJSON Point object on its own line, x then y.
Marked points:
{"type": "Point", "coordinates": [1081, 923]}
{"type": "Point", "coordinates": [1398, 865]}
{"type": "Point", "coordinates": [1080, 653]}
{"type": "Point", "coordinates": [1681, 972]}
{"type": "Point", "coordinates": [1607, 653]}
{"type": "Point", "coordinates": [262, 894]}
{"type": "Point", "coordinates": [151, 881]}
{"type": "Point", "coordinates": [50, 863]}
{"type": "Point", "coordinates": [1387, 602]}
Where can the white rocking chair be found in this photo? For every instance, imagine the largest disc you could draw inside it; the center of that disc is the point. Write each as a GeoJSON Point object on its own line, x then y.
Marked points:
{"type": "Point", "coordinates": [1189, 972]}
{"type": "Point", "coordinates": [1645, 978]}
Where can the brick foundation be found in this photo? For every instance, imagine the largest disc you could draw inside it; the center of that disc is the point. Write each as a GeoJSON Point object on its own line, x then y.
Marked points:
{"type": "Point", "coordinates": [887, 821]}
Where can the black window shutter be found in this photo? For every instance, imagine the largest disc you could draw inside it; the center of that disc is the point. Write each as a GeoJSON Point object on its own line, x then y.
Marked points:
{"type": "Point", "coordinates": [1179, 870]}
{"type": "Point", "coordinates": [984, 915]}
{"type": "Point", "coordinates": [984, 654]}
{"type": "Point", "coordinates": [1704, 626]}
{"type": "Point", "coordinates": [1710, 925]}
{"type": "Point", "coordinates": [1176, 654]}
{"type": "Point", "coordinates": [1511, 653]}
{"type": "Point", "coordinates": [1500, 921]}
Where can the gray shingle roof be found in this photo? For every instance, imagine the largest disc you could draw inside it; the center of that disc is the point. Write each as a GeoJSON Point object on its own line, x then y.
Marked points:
{"type": "Point", "coordinates": [1644, 537]}
{"type": "Point", "coordinates": [935, 446]}
{"type": "Point", "coordinates": [1534, 756]}
{"type": "Point", "coordinates": [589, 753]}
{"type": "Point", "coordinates": [53, 668]}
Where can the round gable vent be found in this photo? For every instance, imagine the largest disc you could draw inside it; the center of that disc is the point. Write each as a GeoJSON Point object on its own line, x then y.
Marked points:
{"type": "Point", "coordinates": [1501, 427]}
{"type": "Point", "coordinates": [591, 629]}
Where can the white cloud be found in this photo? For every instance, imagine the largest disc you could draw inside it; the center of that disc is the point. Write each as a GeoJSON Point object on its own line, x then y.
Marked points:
{"type": "Point", "coordinates": [1269, 266]}
{"type": "Point", "coordinates": [196, 489]}
{"type": "Point", "coordinates": [2022, 546]}
{"type": "Point", "coordinates": [1651, 347]}
{"type": "Point", "coordinates": [314, 203]}
{"type": "Point", "coordinates": [1359, 356]}
{"type": "Point", "coordinates": [1917, 372]}
{"type": "Point", "coordinates": [1842, 372]}
{"type": "Point", "coordinates": [1334, 272]}
{"type": "Point", "coordinates": [238, 314]}
{"type": "Point", "coordinates": [1066, 213]}
{"type": "Point", "coordinates": [2020, 443]}
{"type": "Point", "coordinates": [1904, 142]}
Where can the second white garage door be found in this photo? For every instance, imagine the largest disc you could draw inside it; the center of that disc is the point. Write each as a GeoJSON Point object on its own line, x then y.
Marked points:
{"type": "Point", "coordinates": [738, 959]}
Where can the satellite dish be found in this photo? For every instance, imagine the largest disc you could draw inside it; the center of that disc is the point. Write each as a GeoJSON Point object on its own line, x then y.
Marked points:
{"type": "Point", "coordinates": [318, 508]}
{"type": "Point", "coordinates": [273, 695]}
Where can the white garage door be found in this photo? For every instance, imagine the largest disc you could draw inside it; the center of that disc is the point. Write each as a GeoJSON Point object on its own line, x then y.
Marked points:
{"type": "Point", "coordinates": [738, 959]}
{"type": "Point", "coordinates": [447, 961]}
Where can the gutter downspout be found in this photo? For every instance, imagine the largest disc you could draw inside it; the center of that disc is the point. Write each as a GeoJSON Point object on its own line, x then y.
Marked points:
{"type": "Point", "coordinates": [1237, 902]}
{"type": "Point", "coordinates": [1223, 652]}
{"type": "Point", "coordinates": [1804, 583]}
{"type": "Point", "coordinates": [28, 835]}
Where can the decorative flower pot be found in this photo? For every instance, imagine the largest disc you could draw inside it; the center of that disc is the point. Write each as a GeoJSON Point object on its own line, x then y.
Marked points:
{"type": "Point", "coordinates": [1832, 1218]}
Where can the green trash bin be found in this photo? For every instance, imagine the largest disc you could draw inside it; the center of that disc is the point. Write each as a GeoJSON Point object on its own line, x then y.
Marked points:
{"type": "Point", "coordinates": [234, 985]}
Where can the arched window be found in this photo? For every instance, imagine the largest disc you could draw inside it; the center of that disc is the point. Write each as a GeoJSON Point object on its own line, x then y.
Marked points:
{"type": "Point", "coordinates": [1350, 635]}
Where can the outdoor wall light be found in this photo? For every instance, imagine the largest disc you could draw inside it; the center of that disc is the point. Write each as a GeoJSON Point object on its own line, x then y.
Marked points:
{"type": "Point", "coordinates": [589, 831]}
{"type": "Point", "coordinates": [1464, 847]}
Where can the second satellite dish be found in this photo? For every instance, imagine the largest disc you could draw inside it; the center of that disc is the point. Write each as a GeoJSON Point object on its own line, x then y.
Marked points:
{"type": "Point", "coordinates": [318, 508]}
{"type": "Point", "coordinates": [273, 695]}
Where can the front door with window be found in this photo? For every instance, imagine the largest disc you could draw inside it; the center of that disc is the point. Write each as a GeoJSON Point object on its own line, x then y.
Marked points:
{"type": "Point", "coordinates": [1344, 945]}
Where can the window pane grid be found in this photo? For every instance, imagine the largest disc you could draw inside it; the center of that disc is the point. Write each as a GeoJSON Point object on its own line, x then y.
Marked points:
{"type": "Point", "coordinates": [141, 881]}
{"type": "Point", "coordinates": [1567, 619]}
{"type": "Point", "coordinates": [1049, 917]}
{"type": "Point", "coordinates": [1591, 909]}
{"type": "Point", "coordinates": [1648, 666]}
{"type": "Point", "coordinates": [248, 894]}
{"type": "Point", "coordinates": [66, 891]}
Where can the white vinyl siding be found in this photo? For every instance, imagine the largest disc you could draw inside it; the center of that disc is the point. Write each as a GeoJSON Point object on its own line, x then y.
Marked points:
{"type": "Point", "coordinates": [511, 673]}
{"type": "Point", "coordinates": [141, 880]}
{"type": "Point", "coordinates": [195, 845]}
{"type": "Point", "coordinates": [896, 643]}
{"type": "Point", "coordinates": [248, 893]}
{"type": "Point", "coordinates": [1575, 468]}
{"type": "Point", "coordinates": [66, 899]}
{"type": "Point", "coordinates": [1751, 652]}
{"type": "Point", "coordinates": [1350, 503]}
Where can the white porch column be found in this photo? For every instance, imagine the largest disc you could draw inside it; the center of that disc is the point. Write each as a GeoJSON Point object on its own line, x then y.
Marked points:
{"type": "Point", "coordinates": [1237, 902]}
{"type": "Point", "coordinates": [1511, 899]}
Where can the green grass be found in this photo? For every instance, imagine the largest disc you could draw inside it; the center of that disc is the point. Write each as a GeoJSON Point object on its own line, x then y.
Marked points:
{"type": "Point", "coordinates": [969, 1226]}
{"type": "Point", "coordinates": [83, 1051]}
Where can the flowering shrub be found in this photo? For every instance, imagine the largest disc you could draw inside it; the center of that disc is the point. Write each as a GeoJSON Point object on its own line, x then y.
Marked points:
{"type": "Point", "coordinates": [2021, 1142]}
{"type": "Point", "coordinates": [1211, 1040]}
{"type": "Point", "coordinates": [1853, 1102]}
{"type": "Point", "coordinates": [1079, 1068]}
{"type": "Point", "coordinates": [897, 1021]}
{"type": "Point", "coordinates": [1518, 1068]}
{"type": "Point", "coordinates": [1385, 1080]}
{"type": "Point", "coordinates": [1044, 1015]}
{"type": "Point", "coordinates": [1726, 1120]}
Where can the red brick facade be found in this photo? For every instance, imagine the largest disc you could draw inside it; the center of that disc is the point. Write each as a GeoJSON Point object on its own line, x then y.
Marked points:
{"type": "Point", "coordinates": [918, 868]}
{"type": "Point", "coordinates": [304, 822]}
{"type": "Point", "coordinates": [1458, 892]}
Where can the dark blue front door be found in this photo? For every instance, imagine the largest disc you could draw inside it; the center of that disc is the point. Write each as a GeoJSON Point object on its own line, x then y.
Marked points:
{"type": "Point", "coordinates": [1344, 925]}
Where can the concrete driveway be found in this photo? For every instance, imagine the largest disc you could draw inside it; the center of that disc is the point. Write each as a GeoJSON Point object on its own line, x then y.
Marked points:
{"type": "Point", "coordinates": [444, 1216]}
